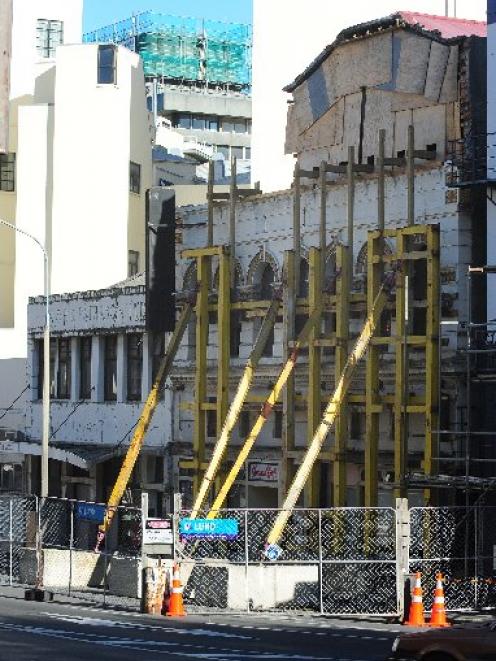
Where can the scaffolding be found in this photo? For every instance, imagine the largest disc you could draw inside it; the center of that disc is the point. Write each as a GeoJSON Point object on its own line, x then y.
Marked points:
{"type": "Point", "coordinates": [180, 49]}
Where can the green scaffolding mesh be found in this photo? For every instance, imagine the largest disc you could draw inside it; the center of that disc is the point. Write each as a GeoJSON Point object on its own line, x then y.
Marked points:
{"type": "Point", "coordinates": [185, 48]}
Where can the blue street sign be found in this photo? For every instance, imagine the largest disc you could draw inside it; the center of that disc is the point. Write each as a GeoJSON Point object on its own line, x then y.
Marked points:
{"type": "Point", "coordinates": [273, 552]}
{"type": "Point", "coordinates": [90, 512]}
{"type": "Point", "coordinates": [217, 528]}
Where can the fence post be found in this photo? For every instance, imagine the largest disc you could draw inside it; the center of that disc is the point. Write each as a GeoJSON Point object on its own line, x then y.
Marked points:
{"type": "Point", "coordinates": [11, 543]}
{"type": "Point", "coordinates": [321, 578]}
{"type": "Point", "coordinates": [247, 551]}
{"type": "Point", "coordinates": [71, 546]}
{"type": "Point", "coordinates": [402, 551]}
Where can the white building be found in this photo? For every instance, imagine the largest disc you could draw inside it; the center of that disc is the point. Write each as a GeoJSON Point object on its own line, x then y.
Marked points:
{"type": "Point", "coordinates": [80, 163]}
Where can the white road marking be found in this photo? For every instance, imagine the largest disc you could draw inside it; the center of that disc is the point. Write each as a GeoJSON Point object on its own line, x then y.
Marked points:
{"type": "Point", "coordinates": [95, 622]}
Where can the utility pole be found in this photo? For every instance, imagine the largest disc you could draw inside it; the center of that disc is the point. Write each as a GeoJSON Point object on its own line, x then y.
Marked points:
{"type": "Point", "coordinates": [5, 56]}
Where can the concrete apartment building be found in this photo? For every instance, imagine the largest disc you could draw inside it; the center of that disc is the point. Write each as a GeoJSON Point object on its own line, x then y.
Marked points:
{"type": "Point", "coordinates": [405, 69]}
{"type": "Point", "coordinates": [80, 162]}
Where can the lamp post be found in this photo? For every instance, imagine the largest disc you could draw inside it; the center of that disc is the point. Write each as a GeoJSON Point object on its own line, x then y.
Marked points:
{"type": "Point", "coordinates": [46, 361]}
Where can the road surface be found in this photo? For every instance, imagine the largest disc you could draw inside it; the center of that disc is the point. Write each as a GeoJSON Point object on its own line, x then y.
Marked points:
{"type": "Point", "coordinates": [54, 631]}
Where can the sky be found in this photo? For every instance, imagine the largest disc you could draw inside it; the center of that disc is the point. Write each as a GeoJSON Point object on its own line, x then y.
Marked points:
{"type": "Point", "coordinates": [98, 13]}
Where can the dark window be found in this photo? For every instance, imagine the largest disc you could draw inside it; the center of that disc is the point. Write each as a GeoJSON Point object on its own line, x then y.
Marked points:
{"type": "Point", "coordinates": [244, 424]}
{"type": "Point", "coordinates": [212, 124]}
{"type": "Point", "coordinates": [134, 177]}
{"type": "Point", "coordinates": [247, 153]}
{"type": "Point", "coordinates": [235, 331]}
{"type": "Point", "coordinates": [239, 126]}
{"type": "Point", "coordinates": [248, 126]}
{"type": "Point", "coordinates": [356, 425]}
{"type": "Point", "coordinates": [224, 150]}
{"type": "Point", "coordinates": [184, 122]}
{"type": "Point", "coordinates": [277, 424]}
{"type": "Point", "coordinates": [49, 35]}
{"type": "Point", "coordinates": [64, 369]}
{"type": "Point", "coordinates": [7, 172]}
{"type": "Point", "coordinates": [134, 366]}
{"type": "Point", "coordinates": [132, 262]}
{"type": "Point", "coordinates": [85, 368]}
{"type": "Point", "coordinates": [212, 421]}
{"type": "Point", "coordinates": [158, 353]}
{"type": "Point", "coordinates": [237, 152]}
{"type": "Point", "coordinates": [198, 123]}
{"type": "Point", "coordinates": [227, 126]}
{"type": "Point", "coordinates": [11, 477]}
{"type": "Point", "coordinates": [107, 72]}
{"type": "Point", "coordinates": [110, 368]}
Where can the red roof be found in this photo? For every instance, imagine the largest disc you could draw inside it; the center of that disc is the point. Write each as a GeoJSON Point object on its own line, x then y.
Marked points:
{"type": "Point", "coordinates": [448, 26]}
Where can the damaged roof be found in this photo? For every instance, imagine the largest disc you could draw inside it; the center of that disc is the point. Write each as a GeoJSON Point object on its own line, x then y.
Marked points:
{"type": "Point", "coordinates": [442, 28]}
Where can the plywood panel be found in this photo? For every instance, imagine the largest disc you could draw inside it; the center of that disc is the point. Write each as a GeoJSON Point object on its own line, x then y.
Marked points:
{"type": "Point", "coordinates": [430, 127]}
{"type": "Point", "coordinates": [366, 62]}
{"type": "Point", "coordinates": [377, 116]}
{"type": "Point", "coordinates": [303, 109]}
{"type": "Point", "coordinates": [328, 130]}
{"type": "Point", "coordinates": [449, 90]}
{"type": "Point", "coordinates": [352, 114]}
{"type": "Point", "coordinates": [438, 61]}
{"type": "Point", "coordinates": [291, 143]}
{"type": "Point", "coordinates": [414, 59]}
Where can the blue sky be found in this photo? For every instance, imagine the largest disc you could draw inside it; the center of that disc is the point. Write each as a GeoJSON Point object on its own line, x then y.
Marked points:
{"type": "Point", "coordinates": [102, 12]}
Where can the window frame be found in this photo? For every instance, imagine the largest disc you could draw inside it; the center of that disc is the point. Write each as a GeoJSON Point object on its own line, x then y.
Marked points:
{"type": "Point", "coordinates": [64, 364]}
{"type": "Point", "coordinates": [8, 172]}
{"type": "Point", "coordinates": [134, 366]}
{"type": "Point", "coordinates": [134, 174]}
{"type": "Point", "coordinates": [85, 366]}
{"type": "Point", "coordinates": [110, 368]}
{"type": "Point", "coordinates": [53, 36]}
{"type": "Point", "coordinates": [104, 68]}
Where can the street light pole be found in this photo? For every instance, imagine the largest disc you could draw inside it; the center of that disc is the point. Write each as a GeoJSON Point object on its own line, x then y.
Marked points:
{"type": "Point", "coordinates": [46, 361]}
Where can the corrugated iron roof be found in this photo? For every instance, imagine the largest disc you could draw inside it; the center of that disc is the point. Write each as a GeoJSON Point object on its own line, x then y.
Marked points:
{"type": "Point", "coordinates": [447, 26]}
{"type": "Point", "coordinates": [441, 28]}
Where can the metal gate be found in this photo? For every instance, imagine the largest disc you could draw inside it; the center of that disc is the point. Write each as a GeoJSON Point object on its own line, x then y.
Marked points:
{"type": "Point", "coordinates": [334, 561]}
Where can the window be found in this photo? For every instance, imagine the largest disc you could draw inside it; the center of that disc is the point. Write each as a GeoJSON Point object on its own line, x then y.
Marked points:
{"type": "Point", "coordinates": [211, 421]}
{"type": "Point", "coordinates": [237, 152]}
{"type": "Point", "coordinates": [198, 123]}
{"type": "Point", "coordinates": [132, 263]}
{"type": "Point", "coordinates": [11, 477]}
{"type": "Point", "coordinates": [212, 124]}
{"type": "Point", "coordinates": [49, 35]}
{"type": "Point", "coordinates": [55, 376]}
{"type": "Point", "coordinates": [227, 126]}
{"type": "Point", "coordinates": [248, 126]}
{"type": "Point", "coordinates": [64, 369]}
{"type": "Point", "coordinates": [134, 177]}
{"type": "Point", "coordinates": [356, 425]}
{"type": "Point", "coordinates": [184, 121]}
{"type": "Point", "coordinates": [158, 353]}
{"type": "Point", "coordinates": [107, 72]}
{"type": "Point", "coordinates": [247, 153]}
{"type": "Point", "coordinates": [224, 150]}
{"type": "Point", "coordinates": [7, 172]}
{"type": "Point", "coordinates": [235, 332]}
{"type": "Point", "coordinates": [85, 368]}
{"type": "Point", "coordinates": [134, 366]}
{"type": "Point", "coordinates": [110, 368]}
{"type": "Point", "coordinates": [277, 424]}
{"type": "Point", "coordinates": [244, 424]}
{"type": "Point", "coordinates": [239, 126]}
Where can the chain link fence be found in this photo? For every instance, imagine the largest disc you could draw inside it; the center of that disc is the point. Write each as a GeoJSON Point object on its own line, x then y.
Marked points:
{"type": "Point", "coordinates": [337, 561]}
{"type": "Point", "coordinates": [54, 540]}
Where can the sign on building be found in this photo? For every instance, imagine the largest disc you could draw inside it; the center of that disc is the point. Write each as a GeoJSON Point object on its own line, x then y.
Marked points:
{"type": "Point", "coordinates": [263, 472]}
{"type": "Point", "coordinates": [158, 531]}
{"type": "Point", "coordinates": [90, 512]}
{"type": "Point", "coordinates": [214, 528]}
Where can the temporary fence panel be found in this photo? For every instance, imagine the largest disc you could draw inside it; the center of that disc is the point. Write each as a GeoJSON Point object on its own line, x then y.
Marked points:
{"type": "Point", "coordinates": [337, 561]}
{"type": "Point", "coordinates": [17, 538]}
{"type": "Point", "coordinates": [460, 543]}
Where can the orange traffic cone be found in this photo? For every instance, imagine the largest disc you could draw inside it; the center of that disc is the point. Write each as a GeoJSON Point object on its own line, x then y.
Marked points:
{"type": "Point", "coordinates": [438, 613]}
{"type": "Point", "coordinates": [176, 607]}
{"type": "Point", "coordinates": [416, 615]}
